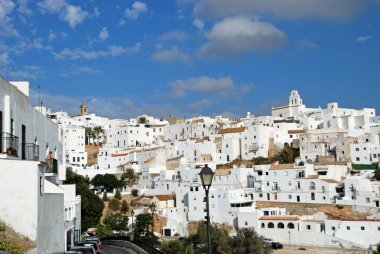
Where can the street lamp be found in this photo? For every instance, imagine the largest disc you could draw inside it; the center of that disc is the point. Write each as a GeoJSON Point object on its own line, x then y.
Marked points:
{"type": "Point", "coordinates": [153, 209]}
{"type": "Point", "coordinates": [132, 234]}
{"type": "Point", "coordinates": [206, 176]}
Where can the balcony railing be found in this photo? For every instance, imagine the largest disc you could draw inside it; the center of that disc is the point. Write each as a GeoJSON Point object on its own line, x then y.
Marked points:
{"type": "Point", "coordinates": [30, 152]}
{"type": "Point", "coordinates": [51, 166]}
{"type": "Point", "coordinates": [9, 143]}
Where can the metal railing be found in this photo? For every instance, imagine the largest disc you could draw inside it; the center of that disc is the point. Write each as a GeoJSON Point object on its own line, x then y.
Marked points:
{"type": "Point", "coordinates": [51, 166]}
{"type": "Point", "coordinates": [30, 152]}
{"type": "Point", "coordinates": [9, 143]}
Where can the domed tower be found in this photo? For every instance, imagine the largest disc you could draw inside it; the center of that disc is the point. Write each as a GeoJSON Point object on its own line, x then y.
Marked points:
{"type": "Point", "coordinates": [83, 109]}
{"type": "Point", "coordinates": [295, 98]}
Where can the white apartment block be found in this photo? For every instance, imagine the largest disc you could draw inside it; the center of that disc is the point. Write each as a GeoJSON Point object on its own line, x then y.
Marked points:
{"type": "Point", "coordinates": [36, 206]}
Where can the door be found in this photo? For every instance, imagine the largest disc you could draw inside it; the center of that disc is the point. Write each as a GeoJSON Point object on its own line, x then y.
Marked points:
{"type": "Point", "coordinates": [275, 196]}
{"type": "Point", "coordinates": [23, 141]}
{"type": "Point", "coordinates": [298, 199]}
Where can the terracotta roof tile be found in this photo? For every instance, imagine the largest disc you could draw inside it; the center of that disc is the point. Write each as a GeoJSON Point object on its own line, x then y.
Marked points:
{"type": "Point", "coordinates": [164, 197]}
{"type": "Point", "coordinates": [222, 172]}
{"type": "Point", "coordinates": [281, 166]}
{"type": "Point", "coordinates": [288, 217]}
{"type": "Point", "coordinates": [329, 180]}
{"type": "Point", "coordinates": [231, 130]}
{"type": "Point", "coordinates": [119, 154]}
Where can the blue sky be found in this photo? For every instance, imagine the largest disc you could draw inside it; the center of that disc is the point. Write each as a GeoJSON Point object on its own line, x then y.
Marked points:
{"type": "Point", "coordinates": [191, 57]}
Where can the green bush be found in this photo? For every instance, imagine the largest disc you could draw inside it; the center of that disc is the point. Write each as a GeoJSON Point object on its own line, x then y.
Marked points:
{"type": "Point", "coordinates": [118, 195]}
{"type": "Point", "coordinates": [2, 226]}
{"type": "Point", "coordinates": [9, 247]}
{"type": "Point", "coordinates": [114, 204]}
{"type": "Point", "coordinates": [135, 192]}
{"type": "Point", "coordinates": [105, 198]}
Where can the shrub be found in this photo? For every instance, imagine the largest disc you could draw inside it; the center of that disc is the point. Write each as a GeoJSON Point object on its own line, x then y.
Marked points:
{"type": "Point", "coordinates": [2, 226]}
{"type": "Point", "coordinates": [135, 192]}
{"type": "Point", "coordinates": [105, 198]}
{"type": "Point", "coordinates": [9, 247]}
{"type": "Point", "coordinates": [124, 206]}
{"type": "Point", "coordinates": [114, 204]}
{"type": "Point", "coordinates": [118, 195]}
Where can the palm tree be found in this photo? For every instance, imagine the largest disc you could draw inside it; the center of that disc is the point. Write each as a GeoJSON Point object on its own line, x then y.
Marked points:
{"type": "Point", "coordinates": [142, 120]}
{"type": "Point", "coordinates": [129, 176]}
{"type": "Point", "coordinates": [88, 134]}
{"type": "Point", "coordinates": [97, 131]}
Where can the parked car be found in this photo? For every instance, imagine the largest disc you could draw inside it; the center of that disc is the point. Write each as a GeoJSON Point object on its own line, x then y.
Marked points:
{"type": "Point", "coordinates": [72, 252]}
{"type": "Point", "coordinates": [84, 249]}
{"type": "Point", "coordinates": [93, 238]}
{"type": "Point", "coordinates": [269, 243]}
{"type": "Point", "coordinates": [94, 244]}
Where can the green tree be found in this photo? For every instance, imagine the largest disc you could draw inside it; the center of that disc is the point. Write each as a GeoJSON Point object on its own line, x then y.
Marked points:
{"type": "Point", "coordinates": [135, 192]}
{"type": "Point", "coordinates": [92, 206]}
{"type": "Point", "coordinates": [114, 204]}
{"type": "Point", "coordinates": [107, 181]}
{"type": "Point", "coordinates": [142, 120]}
{"type": "Point", "coordinates": [97, 131]}
{"type": "Point", "coordinates": [105, 197]}
{"type": "Point", "coordinates": [124, 206]}
{"type": "Point", "coordinates": [142, 227]}
{"type": "Point", "coordinates": [129, 177]}
{"type": "Point", "coordinates": [118, 195]}
{"type": "Point", "coordinates": [103, 231]}
{"type": "Point", "coordinates": [88, 133]}
{"type": "Point", "coordinates": [248, 241]}
{"type": "Point", "coordinates": [285, 155]}
{"type": "Point", "coordinates": [176, 247]}
{"type": "Point", "coordinates": [261, 161]}
{"type": "Point", "coordinates": [117, 221]}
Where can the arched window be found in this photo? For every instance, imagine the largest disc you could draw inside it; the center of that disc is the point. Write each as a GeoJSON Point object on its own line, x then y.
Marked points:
{"type": "Point", "coordinates": [262, 225]}
{"type": "Point", "coordinates": [312, 186]}
{"type": "Point", "coordinates": [290, 225]}
{"type": "Point", "coordinates": [270, 225]}
{"type": "Point", "coordinates": [280, 225]}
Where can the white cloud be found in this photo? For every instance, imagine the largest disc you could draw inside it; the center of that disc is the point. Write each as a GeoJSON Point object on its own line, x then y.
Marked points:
{"type": "Point", "coordinates": [23, 8]}
{"type": "Point", "coordinates": [25, 73]}
{"type": "Point", "coordinates": [74, 15]}
{"type": "Point", "coordinates": [306, 44]}
{"type": "Point", "coordinates": [4, 59]}
{"type": "Point", "coordinates": [289, 9]}
{"type": "Point", "coordinates": [6, 26]}
{"type": "Point", "coordinates": [169, 55]}
{"type": "Point", "coordinates": [52, 6]}
{"type": "Point", "coordinates": [198, 23]}
{"type": "Point", "coordinates": [233, 36]}
{"type": "Point", "coordinates": [137, 9]}
{"type": "Point", "coordinates": [122, 22]}
{"type": "Point", "coordinates": [364, 38]}
{"type": "Point", "coordinates": [175, 35]}
{"type": "Point", "coordinates": [78, 53]}
{"type": "Point", "coordinates": [96, 12]}
{"type": "Point", "coordinates": [199, 105]}
{"type": "Point", "coordinates": [103, 34]}
{"type": "Point", "coordinates": [221, 87]}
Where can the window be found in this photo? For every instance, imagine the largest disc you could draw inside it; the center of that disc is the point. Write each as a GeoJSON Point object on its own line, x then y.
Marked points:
{"type": "Point", "coordinates": [246, 223]}
{"type": "Point", "coordinates": [367, 200]}
{"type": "Point", "coordinates": [308, 227]}
{"type": "Point", "coordinates": [362, 228]}
{"type": "Point", "coordinates": [290, 225]}
{"type": "Point", "coordinates": [290, 196]}
{"type": "Point", "coordinates": [270, 225]}
{"type": "Point", "coordinates": [348, 228]}
{"type": "Point", "coordinates": [333, 228]}
{"type": "Point", "coordinates": [357, 159]}
{"type": "Point", "coordinates": [357, 149]}
{"type": "Point", "coordinates": [262, 225]}
{"type": "Point", "coordinates": [280, 225]}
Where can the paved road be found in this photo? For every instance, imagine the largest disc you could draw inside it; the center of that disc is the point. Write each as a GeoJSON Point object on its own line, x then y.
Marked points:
{"type": "Point", "coordinates": [108, 249]}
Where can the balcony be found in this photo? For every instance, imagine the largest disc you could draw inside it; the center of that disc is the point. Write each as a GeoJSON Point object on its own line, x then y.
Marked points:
{"type": "Point", "coordinates": [30, 152]}
{"type": "Point", "coordinates": [8, 144]}
{"type": "Point", "coordinates": [51, 166]}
